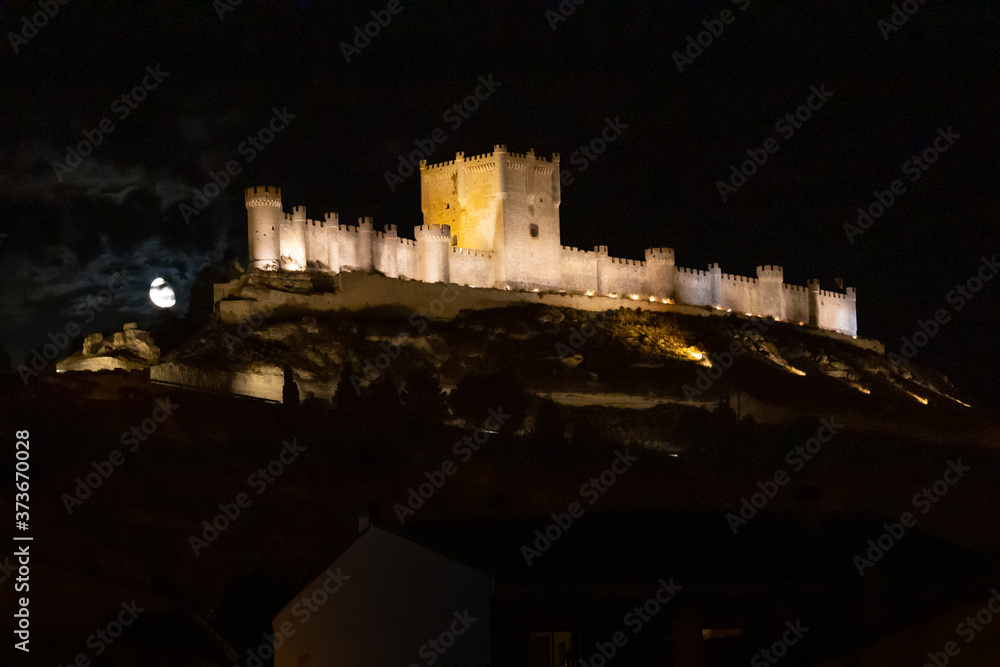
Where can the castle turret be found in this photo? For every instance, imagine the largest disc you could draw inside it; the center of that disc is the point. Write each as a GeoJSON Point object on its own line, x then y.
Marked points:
{"type": "Point", "coordinates": [264, 220]}
{"type": "Point", "coordinates": [769, 297]}
{"type": "Point", "coordinates": [366, 237]}
{"type": "Point", "coordinates": [603, 269]}
{"type": "Point", "coordinates": [715, 285]}
{"type": "Point", "coordinates": [433, 252]}
{"type": "Point", "coordinates": [660, 272]}
{"type": "Point", "coordinates": [813, 286]}
{"type": "Point", "coordinates": [331, 221]}
{"type": "Point", "coordinates": [851, 312]}
{"type": "Point", "coordinates": [387, 260]}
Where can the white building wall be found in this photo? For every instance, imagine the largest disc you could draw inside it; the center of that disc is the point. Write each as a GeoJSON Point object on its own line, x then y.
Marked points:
{"type": "Point", "coordinates": [389, 597]}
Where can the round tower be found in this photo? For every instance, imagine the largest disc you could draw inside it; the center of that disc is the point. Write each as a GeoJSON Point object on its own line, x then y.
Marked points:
{"type": "Point", "coordinates": [263, 226]}
{"type": "Point", "coordinates": [433, 252]}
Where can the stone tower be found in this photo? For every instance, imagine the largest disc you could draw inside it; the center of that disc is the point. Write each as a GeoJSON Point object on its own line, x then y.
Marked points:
{"type": "Point", "coordinates": [507, 203]}
{"type": "Point", "coordinates": [264, 219]}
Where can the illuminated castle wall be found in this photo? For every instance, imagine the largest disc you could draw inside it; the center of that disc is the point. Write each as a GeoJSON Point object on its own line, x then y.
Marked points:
{"type": "Point", "coordinates": [493, 221]}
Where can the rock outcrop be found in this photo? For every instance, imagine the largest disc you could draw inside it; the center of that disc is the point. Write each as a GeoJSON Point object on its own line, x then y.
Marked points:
{"type": "Point", "coordinates": [129, 349]}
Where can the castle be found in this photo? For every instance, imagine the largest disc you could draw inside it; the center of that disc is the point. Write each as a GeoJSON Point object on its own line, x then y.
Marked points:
{"type": "Point", "coordinates": [493, 221]}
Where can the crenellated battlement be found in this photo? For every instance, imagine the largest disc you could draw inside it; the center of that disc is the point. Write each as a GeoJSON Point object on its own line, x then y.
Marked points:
{"type": "Point", "coordinates": [771, 273]}
{"type": "Point", "coordinates": [739, 279]}
{"type": "Point", "coordinates": [435, 233]}
{"type": "Point", "coordinates": [660, 255]}
{"type": "Point", "coordinates": [262, 196]}
{"type": "Point", "coordinates": [492, 219]}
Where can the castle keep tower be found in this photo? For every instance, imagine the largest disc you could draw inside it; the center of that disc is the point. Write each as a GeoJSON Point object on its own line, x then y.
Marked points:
{"type": "Point", "coordinates": [264, 218]}
{"type": "Point", "coordinates": [500, 202]}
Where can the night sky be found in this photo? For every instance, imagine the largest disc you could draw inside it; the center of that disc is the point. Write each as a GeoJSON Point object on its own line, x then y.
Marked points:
{"type": "Point", "coordinates": [556, 83]}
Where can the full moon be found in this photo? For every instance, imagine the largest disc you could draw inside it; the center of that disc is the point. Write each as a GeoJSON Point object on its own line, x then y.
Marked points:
{"type": "Point", "coordinates": [161, 293]}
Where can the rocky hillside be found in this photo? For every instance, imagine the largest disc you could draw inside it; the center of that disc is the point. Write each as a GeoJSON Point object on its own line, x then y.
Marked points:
{"type": "Point", "coordinates": [772, 371]}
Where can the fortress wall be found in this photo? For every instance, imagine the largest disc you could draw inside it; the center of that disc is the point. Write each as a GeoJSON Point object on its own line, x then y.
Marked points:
{"type": "Point", "coordinates": [292, 240]}
{"type": "Point", "coordinates": [626, 276]}
{"type": "Point", "coordinates": [471, 267]}
{"type": "Point", "coordinates": [836, 312]}
{"type": "Point", "coordinates": [406, 258]}
{"type": "Point", "coordinates": [693, 287]}
{"type": "Point", "coordinates": [317, 238]}
{"type": "Point", "coordinates": [347, 242]}
{"type": "Point", "coordinates": [579, 269]}
{"type": "Point", "coordinates": [384, 254]}
{"type": "Point", "coordinates": [737, 293]}
{"type": "Point", "coordinates": [796, 300]}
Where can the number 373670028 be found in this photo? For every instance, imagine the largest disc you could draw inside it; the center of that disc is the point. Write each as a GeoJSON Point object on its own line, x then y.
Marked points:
{"type": "Point", "coordinates": [22, 454]}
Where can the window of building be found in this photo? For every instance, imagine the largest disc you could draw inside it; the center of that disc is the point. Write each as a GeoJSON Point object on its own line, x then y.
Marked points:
{"type": "Point", "coordinates": [454, 240]}
{"type": "Point", "coordinates": [533, 229]}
